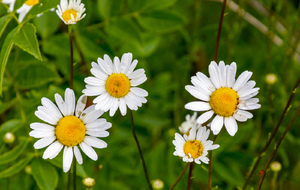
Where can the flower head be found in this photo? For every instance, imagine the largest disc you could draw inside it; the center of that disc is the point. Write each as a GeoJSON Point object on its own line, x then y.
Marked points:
{"type": "Point", "coordinates": [11, 4]}
{"type": "Point", "coordinates": [115, 83]}
{"type": "Point", "coordinates": [189, 122]}
{"type": "Point", "coordinates": [195, 146]}
{"type": "Point", "coordinates": [25, 8]}
{"type": "Point", "coordinates": [70, 12]}
{"type": "Point", "coordinates": [224, 96]}
{"type": "Point", "coordinates": [68, 127]}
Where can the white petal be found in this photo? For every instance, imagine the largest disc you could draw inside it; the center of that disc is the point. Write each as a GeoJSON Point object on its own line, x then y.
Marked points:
{"type": "Point", "coordinates": [67, 158]}
{"type": "Point", "coordinates": [78, 155]}
{"type": "Point", "coordinates": [231, 71]}
{"type": "Point", "coordinates": [205, 116]}
{"type": "Point", "coordinates": [90, 114]}
{"type": "Point", "coordinates": [122, 106]}
{"type": "Point", "coordinates": [197, 106]}
{"type": "Point", "coordinates": [223, 73]}
{"type": "Point", "coordinates": [61, 104]}
{"type": "Point", "coordinates": [139, 92]}
{"type": "Point", "coordinates": [51, 107]}
{"type": "Point", "coordinates": [94, 142]}
{"type": "Point", "coordinates": [230, 125]}
{"type": "Point", "coordinates": [45, 117]}
{"type": "Point", "coordinates": [240, 117]}
{"type": "Point", "coordinates": [41, 134]}
{"type": "Point", "coordinates": [214, 74]}
{"type": "Point", "coordinates": [95, 81]}
{"type": "Point", "coordinates": [245, 113]}
{"type": "Point", "coordinates": [114, 107]}
{"type": "Point", "coordinates": [88, 150]}
{"type": "Point", "coordinates": [80, 105]}
{"type": "Point", "coordinates": [246, 88]}
{"type": "Point", "coordinates": [41, 127]}
{"type": "Point", "coordinates": [246, 94]}
{"type": "Point", "coordinates": [100, 133]}
{"type": "Point", "coordinates": [196, 93]}
{"type": "Point", "coordinates": [43, 142]}
{"type": "Point", "coordinates": [217, 124]}
{"type": "Point", "coordinates": [241, 81]}
{"type": "Point", "coordinates": [137, 74]}
{"type": "Point", "coordinates": [70, 101]}
{"type": "Point", "coordinates": [205, 81]}
{"type": "Point", "coordinates": [53, 150]}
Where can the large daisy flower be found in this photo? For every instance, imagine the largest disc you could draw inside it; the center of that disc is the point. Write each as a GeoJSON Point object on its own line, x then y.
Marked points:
{"type": "Point", "coordinates": [69, 127]}
{"type": "Point", "coordinates": [115, 83]}
{"type": "Point", "coordinates": [25, 8]}
{"type": "Point", "coordinates": [195, 146]}
{"type": "Point", "coordinates": [224, 96]}
{"type": "Point", "coordinates": [11, 4]}
{"type": "Point", "coordinates": [70, 12]}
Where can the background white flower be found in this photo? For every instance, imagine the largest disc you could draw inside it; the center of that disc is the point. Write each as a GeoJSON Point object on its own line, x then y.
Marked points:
{"type": "Point", "coordinates": [189, 122]}
{"type": "Point", "coordinates": [115, 83]}
{"type": "Point", "coordinates": [69, 127]}
{"type": "Point", "coordinates": [195, 146]}
{"type": "Point", "coordinates": [70, 12]}
{"type": "Point", "coordinates": [25, 8]}
{"type": "Point", "coordinates": [11, 4]}
{"type": "Point", "coordinates": [224, 96]}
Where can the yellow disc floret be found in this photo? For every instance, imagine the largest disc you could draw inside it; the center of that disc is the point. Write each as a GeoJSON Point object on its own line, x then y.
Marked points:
{"type": "Point", "coordinates": [31, 2]}
{"type": "Point", "coordinates": [117, 85]}
{"type": "Point", "coordinates": [193, 149]}
{"type": "Point", "coordinates": [67, 15]}
{"type": "Point", "coordinates": [224, 101]}
{"type": "Point", "coordinates": [70, 131]}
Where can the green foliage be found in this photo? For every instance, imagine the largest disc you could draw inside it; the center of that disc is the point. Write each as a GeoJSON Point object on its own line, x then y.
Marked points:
{"type": "Point", "coordinates": [14, 153]}
{"type": "Point", "coordinates": [17, 167]}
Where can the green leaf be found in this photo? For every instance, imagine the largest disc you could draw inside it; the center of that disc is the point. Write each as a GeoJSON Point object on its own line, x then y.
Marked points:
{"type": "Point", "coordinates": [44, 174]}
{"type": "Point", "coordinates": [26, 39]}
{"type": "Point", "coordinates": [4, 54]}
{"type": "Point", "coordinates": [47, 24]}
{"type": "Point", "coordinates": [108, 8]}
{"type": "Point", "coordinates": [6, 105]}
{"type": "Point", "coordinates": [124, 29]}
{"type": "Point", "coordinates": [15, 152]}
{"type": "Point", "coordinates": [3, 23]}
{"type": "Point", "coordinates": [16, 168]}
{"type": "Point", "coordinates": [161, 21]}
{"type": "Point", "coordinates": [35, 75]}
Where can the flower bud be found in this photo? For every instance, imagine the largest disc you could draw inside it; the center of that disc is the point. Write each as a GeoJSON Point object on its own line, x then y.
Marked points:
{"type": "Point", "coordinates": [157, 184]}
{"type": "Point", "coordinates": [88, 182]}
{"type": "Point", "coordinates": [9, 138]}
{"type": "Point", "coordinates": [271, 78]}
{"type": "Point", "coordinates": [275, 166]}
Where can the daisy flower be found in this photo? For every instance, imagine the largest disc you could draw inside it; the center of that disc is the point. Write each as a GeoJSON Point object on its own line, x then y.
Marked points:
{"type": "Point", "coordinates": [195, 146]}
{"type": "Point", "coordinates": [223, 96]}
{"type": "Point", "coordinates": [25, 8]}
{"type": "Point", "coordinates": [189, 122]}
{"type": "Point", "coordinates": [70, 12]}
{"type": "Point", "coordinates": [115, 83]}
{"type": "Point", "coordinates": [68, 126]}
{"type": "Point", "coordinates": [11, 4]}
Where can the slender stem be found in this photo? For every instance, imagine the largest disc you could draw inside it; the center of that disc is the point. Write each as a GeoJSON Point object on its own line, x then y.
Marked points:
{"type": "Point", "coordinates": [263, 174]}
{"type": "Point", "coordinates": [210, 165]}
{"type": "Point", "coordinates": [262, 152]}
{"type": "Point", "coordinates": [219, 30]}
{"type": "Point", "coordinates": [179, 177]}
{"type": "Point", "coordinates": [140, 150]}
{"type": "Point", "coordinates": [71, 56]}
{"type": "Point", "coordinates": [74, 173]}
{"type": "Point", "coordinates": [69, 180]}
{"type": "Point", "coordinates": [190, 176]}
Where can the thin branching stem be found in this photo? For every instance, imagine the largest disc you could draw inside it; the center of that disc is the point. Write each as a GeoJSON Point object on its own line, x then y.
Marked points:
{"type": "Point", "coordinates": [263, 174]}
{"type": "Point", "coordinates": [189, 185]}
{"type": "Point", "coordinates": [262, 152]}
{"type": "Point", "coordinates": [179, 177]}
{"type": "Point", "coordinates": [140, 150]}
{"type": "Point", "coordinates": [71, 56]}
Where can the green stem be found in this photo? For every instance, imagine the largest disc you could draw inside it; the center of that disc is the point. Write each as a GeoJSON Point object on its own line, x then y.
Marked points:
{"type": "Point", "coordinates": [71, 56]}
{"type": "Point", "coordinates": [179, 177]}
{"type": "Point", "coordinates": [190, 176]}
{"type": "Point", "coordinates": [262, 152]}
{"type": "Point", "coordinates": [219, 31]}
{"type": "Point", "coordinates": [210, 165]}
{"type": "Point", "coordinates": [69, 180]}
{"type": "Point", "coordinates": [74, 173]}
{"type": "Point", "coordinates": [140, 150]}
{"type": "Point", "coordinates": [263, 174]}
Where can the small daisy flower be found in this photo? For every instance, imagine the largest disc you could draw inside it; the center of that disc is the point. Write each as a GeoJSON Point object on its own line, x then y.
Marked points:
{"type": "Point", "coordinates": [224, 96]}
{"type": "Point", "coordinates": [195, 146]}
{"type": "Point", "coordinates": [70, 12]}
{"type": "Point", "coordinates": [115, 83]}
{"type": "Point", "coordinates": [11, 4]}
{"type": "Point", "coordinates": [25, 8]}
{"type": "Point", "coordinates": [69, 127]}
{"type": "Point", "coordinates": [189, 122]}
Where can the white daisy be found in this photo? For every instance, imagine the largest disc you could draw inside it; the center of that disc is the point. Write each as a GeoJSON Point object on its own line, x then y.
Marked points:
{"type": "Point", "coordinates": [115, 84]}
{"type": "Point", "coordinates": [25, 8]}
{"type": "Point", "coordinates": [69, 127]}
{"type": "Point", "coordinates": [11, 4]}
{"type": "Point", "coordinates": [70, 12]}
{"type": "Point", "coordinates": [224, 96]}
{"type": "Point", "coordinates": [195, 146]}
{"type": "Point", "coordinates": [189, 122]}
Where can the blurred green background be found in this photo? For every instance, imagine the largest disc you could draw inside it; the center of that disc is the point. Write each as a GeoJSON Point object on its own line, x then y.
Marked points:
{"type": "Point", "coordinates": [172, 40]}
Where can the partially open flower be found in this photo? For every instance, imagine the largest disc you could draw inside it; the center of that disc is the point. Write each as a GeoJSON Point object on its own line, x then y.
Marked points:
{"type": "Point", "coordinates": [70, 12]}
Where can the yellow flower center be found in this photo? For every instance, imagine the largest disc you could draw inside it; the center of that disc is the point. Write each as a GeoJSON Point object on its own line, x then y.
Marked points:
{"type": "Point", "coordinates": [70, 131]}
{"type": "Point", "coordinates": [67, 15]}
{"type": "Point", "coordinates": [31, 2]}
{"type": "Point", "coordinates": [224, 101]}
{"type": "Point", "coordinates": [117, 85]}
{"type": "Point", "coordinates": [193, 149]}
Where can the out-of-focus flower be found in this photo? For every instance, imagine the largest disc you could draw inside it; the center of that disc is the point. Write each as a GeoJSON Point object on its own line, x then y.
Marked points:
{"type": "Point", "coordinates": [189, 122]}
{"type": "Point", "coordinates": [88, 182]}
{"type": "Point", "coordinates": [115, 83]}
{"type": "Point", "coordinates": [68, 127]}
{"type": "Point", "coordinates": [25, 8]}
{"type": "Point", "coordinates": [271, 78]}
{"type": "Point", "coordinates": [157, 184]}
{"type": "Point", "coordinates": [11, 4]}
{"type": "Point", "coordinates": [275, 166]}
{"type": "Point", "coordinates": [224, 96]}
